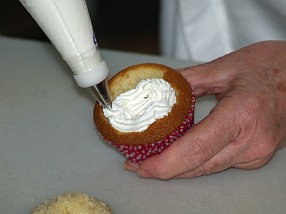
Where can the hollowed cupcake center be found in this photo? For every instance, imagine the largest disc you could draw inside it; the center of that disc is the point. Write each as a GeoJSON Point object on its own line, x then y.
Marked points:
{"type": "Point", "coordinates": [136, 109]}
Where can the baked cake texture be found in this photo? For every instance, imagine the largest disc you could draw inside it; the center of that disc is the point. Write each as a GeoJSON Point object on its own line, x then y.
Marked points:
{"type": "Point", "coordinates": [72, 203]}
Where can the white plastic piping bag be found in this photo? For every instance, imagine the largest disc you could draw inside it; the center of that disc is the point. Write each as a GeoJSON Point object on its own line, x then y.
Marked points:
{"type": "Point", "coordinates": [68, 26]}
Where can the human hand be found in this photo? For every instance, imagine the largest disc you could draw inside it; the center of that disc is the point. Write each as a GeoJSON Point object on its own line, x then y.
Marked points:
{"type": "Point", "coordinates": [247, 125]}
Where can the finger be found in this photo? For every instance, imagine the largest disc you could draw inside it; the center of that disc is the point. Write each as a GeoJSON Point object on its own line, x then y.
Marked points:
{"type": "Point", "coordinates": [209, 78]}
{"type": "Point", "coordinates": [196, 147]}
{"type": "Point", "coordinates": [233, 155]}
{"type": "Point", "coordinates": [254, 164]}
{"type": "Point", "coordinates": [256, 154]}
{"type": "Point", "coordinates": [230, 156]}
{"type": "Point", "coordinates": [201, 171]}
{"type": "Point", "coordinates": [220, 162]}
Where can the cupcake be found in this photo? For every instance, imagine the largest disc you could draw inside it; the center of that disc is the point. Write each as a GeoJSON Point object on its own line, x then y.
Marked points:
{"type": "Point", "coordinates": [152, 106]}
{"type": "Point", "coordinates": [72, 203]}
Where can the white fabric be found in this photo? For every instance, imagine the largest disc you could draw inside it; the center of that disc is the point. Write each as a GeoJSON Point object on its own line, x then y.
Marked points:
{"type": "Point", "coordinates": [202, 30]}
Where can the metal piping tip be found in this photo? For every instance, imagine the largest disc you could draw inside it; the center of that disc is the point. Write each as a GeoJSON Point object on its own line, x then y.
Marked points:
{"type": "Point", "coordinates": [101, 91]}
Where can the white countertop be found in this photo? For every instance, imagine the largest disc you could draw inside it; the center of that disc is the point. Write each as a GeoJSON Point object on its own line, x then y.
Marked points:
{"type": "Point", "coordinates": [49, 145]}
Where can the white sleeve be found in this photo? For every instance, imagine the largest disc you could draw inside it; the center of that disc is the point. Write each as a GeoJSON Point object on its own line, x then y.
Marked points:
{"type": "Point", "coordinates": [204, 30]}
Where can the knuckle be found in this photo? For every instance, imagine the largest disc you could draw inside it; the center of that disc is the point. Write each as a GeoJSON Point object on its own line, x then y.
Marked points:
{"type": "Point", "coordinates": [258, 154]}
{"type": "Point", "coordinates": [163, 174]}
{"type": "Point", "coordinates": [195, 153]}
{"type": "Point", "coordinates": [202, 170]}
{"type": "Point", "coordinates": [215, 166]}
{"type": "Point", "coordinates": [254, 164]}
{"type": "Point", "coordinates": [266, 148]}
{"type": "Point", "coordinates": [212, 167]}
{"type": "Point", "coordinates": [248, 112]}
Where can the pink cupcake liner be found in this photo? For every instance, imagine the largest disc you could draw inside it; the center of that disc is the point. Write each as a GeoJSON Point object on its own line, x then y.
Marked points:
{"type": "Point", "coordinates": [138, 153]}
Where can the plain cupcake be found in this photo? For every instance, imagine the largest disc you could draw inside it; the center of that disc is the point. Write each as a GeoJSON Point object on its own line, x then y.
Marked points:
{"type": "Point", "coordinates": [72, 203]}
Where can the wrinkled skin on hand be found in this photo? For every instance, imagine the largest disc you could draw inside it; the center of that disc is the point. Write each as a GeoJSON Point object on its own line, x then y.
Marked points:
{"type": "Point", "coordinates": [245, 128]}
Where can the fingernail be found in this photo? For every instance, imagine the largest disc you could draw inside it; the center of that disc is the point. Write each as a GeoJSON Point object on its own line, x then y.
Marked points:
{"type": "Point", "coordinates": [131, 166]}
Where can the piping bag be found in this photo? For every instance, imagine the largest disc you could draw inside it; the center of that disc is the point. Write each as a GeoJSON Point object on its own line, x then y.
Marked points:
{"type": "Point", "coordinates": [68, 26]}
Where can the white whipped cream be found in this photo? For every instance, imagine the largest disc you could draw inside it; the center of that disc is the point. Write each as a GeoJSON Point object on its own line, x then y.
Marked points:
{"type": "Point", "coordinates": [136, 109]}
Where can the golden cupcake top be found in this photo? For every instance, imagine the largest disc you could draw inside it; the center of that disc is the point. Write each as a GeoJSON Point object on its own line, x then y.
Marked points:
{"type": "Point", "coordinates": [128, 79]}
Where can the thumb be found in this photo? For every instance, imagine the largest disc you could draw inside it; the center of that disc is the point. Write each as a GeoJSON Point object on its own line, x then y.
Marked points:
{"type": "Point", "coordinates": [197, 146]}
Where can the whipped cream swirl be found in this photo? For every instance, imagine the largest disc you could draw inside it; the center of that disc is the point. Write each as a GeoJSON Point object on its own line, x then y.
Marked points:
{"type": "Point", "coordinates": [136, 109]}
